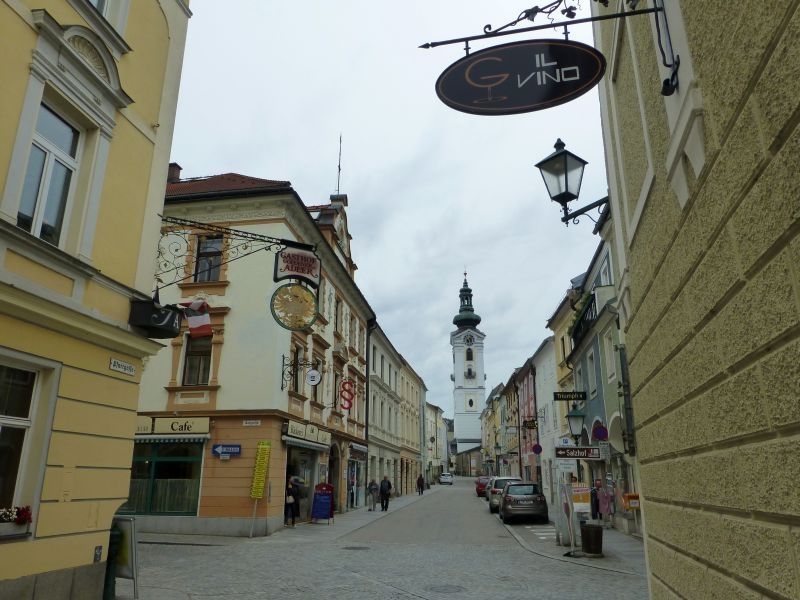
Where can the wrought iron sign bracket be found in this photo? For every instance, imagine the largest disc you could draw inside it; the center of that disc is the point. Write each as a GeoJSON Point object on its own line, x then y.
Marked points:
{"type": "Point", "coordinates": [668, 86]}
{"type": "Point", "coordinates": [175, 246]}
{"type": "Point", "coordinates": [575, 215]}
{"type": "Point", "coordinates": [290, 369]}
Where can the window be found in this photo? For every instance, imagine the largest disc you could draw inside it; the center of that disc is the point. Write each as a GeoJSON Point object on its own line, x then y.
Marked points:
{"type": "Point", "coordinates": [610, 355]}
{"type": "Point", "coordinates": [165, 478]}
{"type": "Point", "coordinates": [297, 356]}
{"type": "Point", "coordinates": [198, 361]}
{"type": "Point", "coordinates": [592, 375]}
{"type": "Point", "coordinates": [337, 316]}
{"type": "Point", "coordinates": [16, 399]}
{"type": "Point", "coordinates": [209, 258]}
{"type": "Point", "coordinates": [469, 354]}
{"type": "Point", "coordinates": [100, 5]}
{"type": "Point", "coordinates": [48, 178]}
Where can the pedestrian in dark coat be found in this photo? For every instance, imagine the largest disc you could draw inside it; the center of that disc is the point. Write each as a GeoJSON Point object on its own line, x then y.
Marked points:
{"type": "Point", "coordinates": [420, 484]}
{"type": "Point", "coordinates": [385, 490]}
{"type": "Point", "coordinates": [291, 502]}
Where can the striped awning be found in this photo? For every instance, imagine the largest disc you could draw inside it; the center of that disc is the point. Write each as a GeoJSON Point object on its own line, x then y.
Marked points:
{"type": "Point", "coordinates": [172, 437]}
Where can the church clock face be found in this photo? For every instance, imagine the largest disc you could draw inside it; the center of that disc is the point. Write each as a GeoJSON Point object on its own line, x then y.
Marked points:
{"type": "Point", "coordinates": [469, 340]}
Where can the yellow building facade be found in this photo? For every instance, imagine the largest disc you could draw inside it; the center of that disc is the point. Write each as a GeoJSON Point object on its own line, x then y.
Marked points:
{"type": "Point", "coordinates": [86, 120]}
{"type": "Point", "coordinates": [706, 204]}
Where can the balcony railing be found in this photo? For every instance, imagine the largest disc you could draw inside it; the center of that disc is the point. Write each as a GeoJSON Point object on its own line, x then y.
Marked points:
{"type": "Point", "coordinates": [583, 324]}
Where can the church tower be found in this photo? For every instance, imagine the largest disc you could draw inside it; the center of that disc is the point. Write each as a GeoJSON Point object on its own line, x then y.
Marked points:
{"type": "Point", "coordinates": [468, 378]}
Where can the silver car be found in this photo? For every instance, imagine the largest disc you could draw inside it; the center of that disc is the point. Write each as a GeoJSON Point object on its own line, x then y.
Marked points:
{"type": "Point", "coordinates": [446, 479]}
{"type": "Point", "coordinates": [495, 487]}
{"type": "Point", "coordinates": [523, 499]}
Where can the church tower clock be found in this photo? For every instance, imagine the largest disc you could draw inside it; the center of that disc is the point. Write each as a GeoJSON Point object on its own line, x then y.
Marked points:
{"type": "Point", "coordinates": [469, 391]}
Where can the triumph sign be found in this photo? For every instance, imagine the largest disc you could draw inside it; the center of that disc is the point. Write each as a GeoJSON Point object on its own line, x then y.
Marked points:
{"type": "Point", "coordinates": [520, 77]}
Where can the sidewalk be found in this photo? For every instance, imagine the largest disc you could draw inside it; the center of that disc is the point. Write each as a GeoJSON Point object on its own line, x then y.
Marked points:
{"type": "Point", "coordinates": [341, 525]}
{"type": "Point", "coordinates": [622, 553]}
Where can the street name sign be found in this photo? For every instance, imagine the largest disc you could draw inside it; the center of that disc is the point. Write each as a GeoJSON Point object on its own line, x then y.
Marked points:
{"type": "Point", "coordinates": [569, 396]}
{"type": "Point", "coordinates": [579, 452]}
{"type": "Point", "coordinates": [228, 449]}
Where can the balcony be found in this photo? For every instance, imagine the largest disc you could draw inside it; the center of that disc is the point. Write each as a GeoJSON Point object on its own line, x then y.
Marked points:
{"type": "Point", "coordinates": [585, 320]}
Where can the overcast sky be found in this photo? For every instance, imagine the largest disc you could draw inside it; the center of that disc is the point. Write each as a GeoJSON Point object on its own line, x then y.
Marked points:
{"type": "Point", "coordinates": [269, 86]}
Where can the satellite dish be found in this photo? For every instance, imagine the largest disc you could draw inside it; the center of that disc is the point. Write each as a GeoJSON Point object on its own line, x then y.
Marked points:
{"type": "Point", "coordinates": [313, 377]}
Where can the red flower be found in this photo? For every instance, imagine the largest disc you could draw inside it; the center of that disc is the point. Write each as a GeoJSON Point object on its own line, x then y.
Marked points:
{"type": "Point", "coordinates": [24, 515]}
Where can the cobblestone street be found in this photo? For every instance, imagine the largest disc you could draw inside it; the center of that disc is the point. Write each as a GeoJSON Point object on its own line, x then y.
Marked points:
{"type": "Point", "coordinates": [443, 544]}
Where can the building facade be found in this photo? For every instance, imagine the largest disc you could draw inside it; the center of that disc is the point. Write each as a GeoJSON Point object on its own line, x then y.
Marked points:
{"type": "Point", "coordinates": [395, 425]}
{"type": "Point", "coordinates": [276, 387]}
{"type": "Point", "coordinates": [706, 207]}
{"type": "Point", "coordinates": [78, 223]}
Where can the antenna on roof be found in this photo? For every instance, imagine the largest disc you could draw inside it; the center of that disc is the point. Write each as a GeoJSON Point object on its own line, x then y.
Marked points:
{"type": "Point", "coordinates": [339, 173]}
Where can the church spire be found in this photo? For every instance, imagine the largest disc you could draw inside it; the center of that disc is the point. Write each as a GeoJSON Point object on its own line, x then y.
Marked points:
{"type": "Point", "coordinates": [466, 316]}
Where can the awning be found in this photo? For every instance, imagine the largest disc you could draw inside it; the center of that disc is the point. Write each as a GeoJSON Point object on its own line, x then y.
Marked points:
{"type": "Point", "coordinates": [172, 437]}
{"type": "Point", "coordinates": [359, 447]}
{"type": "Point", "coordinates": [293, 441]}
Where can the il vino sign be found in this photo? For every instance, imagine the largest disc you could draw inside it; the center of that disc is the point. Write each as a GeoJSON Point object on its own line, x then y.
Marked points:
{"type": "Point", "coordinates": [520, 77]}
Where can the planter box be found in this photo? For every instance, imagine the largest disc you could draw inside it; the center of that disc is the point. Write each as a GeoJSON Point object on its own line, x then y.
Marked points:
{"type": "Point", "coordinates": [13, 530]}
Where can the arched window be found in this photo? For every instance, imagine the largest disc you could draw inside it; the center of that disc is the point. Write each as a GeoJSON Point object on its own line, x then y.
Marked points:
{"type": "Point", "coordinates": [469, 354]}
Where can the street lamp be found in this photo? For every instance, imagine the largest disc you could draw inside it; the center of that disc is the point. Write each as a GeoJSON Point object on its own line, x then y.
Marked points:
{"type": "Point", "coordinates": [562, 173]}
{"type": "Point", "coordinates": [575, 419]}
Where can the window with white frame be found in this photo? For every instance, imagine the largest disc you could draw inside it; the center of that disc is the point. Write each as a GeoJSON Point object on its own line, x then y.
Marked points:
{"type": "Point", "coordinates": [17, 393]}
{"type": "Point", "coordinates": [66, 123]}
{"type": "Point", "coordinates": [610, 355]}
{"type": "Point", "coordinates": [48, 180]}
{"type": "Point", "coordinates": [197, 363]}
{"type": "Point", "coordinates": [605, 272]}
{"type": "Point", "coordinates": [592, 374]}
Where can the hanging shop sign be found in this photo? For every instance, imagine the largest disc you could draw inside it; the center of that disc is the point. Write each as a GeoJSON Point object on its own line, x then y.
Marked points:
{"type": "Point", "coordinates": [568, 396]}
{"type": "Point", "coordinates": [294, 306]}
{"type": "Point", "coordinates": [298, 263]}
{"type": "Point", "coordinates": [520, 77]}
{"type": "Point", "coordinates": [346, 393]}
{"type": "Point", "coordinates": [157, 321]}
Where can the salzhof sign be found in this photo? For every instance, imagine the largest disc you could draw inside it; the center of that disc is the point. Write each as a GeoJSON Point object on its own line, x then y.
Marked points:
{"type": "Point", "coordinates": [520, 77]}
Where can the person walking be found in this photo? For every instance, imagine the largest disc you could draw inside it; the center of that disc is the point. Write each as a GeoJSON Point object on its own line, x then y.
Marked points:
{"type": "Point", "coordinates": [420, 484]}
{"type": "Point", "coordinates": [372, 490]}
{"type": "Point", "coordinates": [290, 505]}
{"type": "Point", "coordinates": [385, 490]}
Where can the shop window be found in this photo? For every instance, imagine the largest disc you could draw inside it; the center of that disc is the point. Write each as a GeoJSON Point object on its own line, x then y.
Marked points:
{"type": "Point", "coordinates": [197, 363]}
{"type": "Point", "coordinates": [165, 478]}
{"type": "Point", "coordinates": [209, 258]}
{"type": "Point", "coordinates": [16, 400]}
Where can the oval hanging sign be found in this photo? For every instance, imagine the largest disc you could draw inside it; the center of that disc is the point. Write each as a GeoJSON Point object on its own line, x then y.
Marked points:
{"type": "Point", "coordinates": [520, 77]}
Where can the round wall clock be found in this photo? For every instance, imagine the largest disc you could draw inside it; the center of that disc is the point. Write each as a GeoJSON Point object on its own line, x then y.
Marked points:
{"type": "Point", "coordinates": [469, 340]}
{"type": "Point", "coordinates": [294, 306]}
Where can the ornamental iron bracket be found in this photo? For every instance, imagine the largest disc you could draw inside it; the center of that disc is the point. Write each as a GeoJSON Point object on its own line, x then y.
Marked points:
{"type": "Point", "coordinates": [176, 245]}
{"type": "Point", "coordinates": [291, 368]}
{"type": "Point", "coordinates": [668, 58]}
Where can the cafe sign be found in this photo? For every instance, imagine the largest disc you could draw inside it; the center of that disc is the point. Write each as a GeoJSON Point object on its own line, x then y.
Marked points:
{"type": "Point", "coordinates": [520, 77]}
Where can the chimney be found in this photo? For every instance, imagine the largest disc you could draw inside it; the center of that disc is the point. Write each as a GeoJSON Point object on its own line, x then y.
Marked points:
{"type": "Point", "coordinates": [340, 199]}
{"type": "Point", "coordinates": [174, 173]}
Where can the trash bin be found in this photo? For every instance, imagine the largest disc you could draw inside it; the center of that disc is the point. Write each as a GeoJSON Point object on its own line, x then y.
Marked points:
{"type": "Point", "coordinates": [592, 539]}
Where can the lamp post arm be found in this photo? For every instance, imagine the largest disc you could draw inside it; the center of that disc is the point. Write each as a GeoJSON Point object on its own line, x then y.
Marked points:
{"type": "Point", "coordinates": [571, 216]}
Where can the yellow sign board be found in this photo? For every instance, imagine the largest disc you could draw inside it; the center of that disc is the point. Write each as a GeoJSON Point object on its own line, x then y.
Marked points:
{"type": "Point", "coordinates": [260, 470]}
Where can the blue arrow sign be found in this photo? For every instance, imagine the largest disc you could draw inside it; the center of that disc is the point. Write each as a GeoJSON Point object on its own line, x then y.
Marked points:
{"type": "Point", "coordinates": [220, 449]}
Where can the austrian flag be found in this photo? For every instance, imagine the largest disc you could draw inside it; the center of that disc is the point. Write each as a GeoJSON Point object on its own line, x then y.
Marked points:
{"type": "Point", "coordinates": [198, 318]}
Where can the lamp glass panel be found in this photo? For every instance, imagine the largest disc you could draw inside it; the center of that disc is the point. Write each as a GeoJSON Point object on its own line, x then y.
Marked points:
{"type": "Point", "coordinates": [573, 167]}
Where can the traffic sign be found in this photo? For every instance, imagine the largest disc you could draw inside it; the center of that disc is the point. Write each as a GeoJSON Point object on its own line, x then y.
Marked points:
{"type": "Point", "coordinates": [229, 449]}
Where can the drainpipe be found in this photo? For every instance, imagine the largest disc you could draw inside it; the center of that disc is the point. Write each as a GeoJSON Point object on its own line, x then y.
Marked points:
{"type": "Point", "coordinates": [371, 325]}
{"type": "Point", "coordinates": [629, 436]}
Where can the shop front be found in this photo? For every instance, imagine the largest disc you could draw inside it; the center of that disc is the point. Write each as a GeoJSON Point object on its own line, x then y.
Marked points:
{"type": "Point", "coordinates": [307, 449]}
{"type": "Point", "coordinates": [167, 466]}
{"type": "Point", "coordinates": [356, 475]}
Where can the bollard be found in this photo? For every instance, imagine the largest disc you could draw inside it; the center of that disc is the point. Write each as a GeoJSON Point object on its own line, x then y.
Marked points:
{"type": "Point", "coordinates": [114, 543]}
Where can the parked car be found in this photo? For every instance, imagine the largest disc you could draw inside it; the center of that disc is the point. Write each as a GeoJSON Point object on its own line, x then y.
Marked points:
{"type": "Point", "coordinates": [494, 489]}
{"type": "Point", "coordinates": [522, 499]}
{"type": "Point", "coordinates": [446, 479]}
{"type": "Point", "coordinates": [480, 485]}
